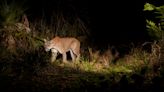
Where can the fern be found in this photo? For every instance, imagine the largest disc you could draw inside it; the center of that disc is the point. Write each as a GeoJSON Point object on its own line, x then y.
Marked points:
{"type": "Point", "coordinates": [155, 29]}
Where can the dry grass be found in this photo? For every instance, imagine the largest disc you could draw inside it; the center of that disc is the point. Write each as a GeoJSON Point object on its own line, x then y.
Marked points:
{"type": "Point", "coordinates": [34, 65]}
{"type": "Point", "coordinates": [134, 62]}
{"type": "Point", "coordinates": [23, 59]}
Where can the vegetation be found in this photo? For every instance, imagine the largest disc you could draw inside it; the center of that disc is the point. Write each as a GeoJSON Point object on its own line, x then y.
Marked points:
{"type": "Point", "coordinates": [155, 29]}
{"type": "Point", "coordinates": [24, 65]}
{"type": "Point", "coordinates": [11, 12]}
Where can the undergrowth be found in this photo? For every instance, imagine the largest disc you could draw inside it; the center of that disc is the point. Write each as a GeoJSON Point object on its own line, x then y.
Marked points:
{"type": "Point", "coordinates": [24, 64]}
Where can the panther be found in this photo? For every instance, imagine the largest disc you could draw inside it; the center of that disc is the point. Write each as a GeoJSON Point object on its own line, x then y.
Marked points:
{"type": "Point", "coordinates": [63, 45]}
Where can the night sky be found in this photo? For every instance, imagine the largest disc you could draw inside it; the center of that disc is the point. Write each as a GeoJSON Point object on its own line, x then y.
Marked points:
{"type": "Point", "coordinates": [110, 21]}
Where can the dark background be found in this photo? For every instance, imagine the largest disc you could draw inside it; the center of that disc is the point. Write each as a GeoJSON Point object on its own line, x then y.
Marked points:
{"type": "Point", "coordinates": [110, 21]}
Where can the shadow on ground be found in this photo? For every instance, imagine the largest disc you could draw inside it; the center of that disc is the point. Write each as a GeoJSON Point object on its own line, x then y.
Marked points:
{"type": "Point", "coordinates": [43, 77]}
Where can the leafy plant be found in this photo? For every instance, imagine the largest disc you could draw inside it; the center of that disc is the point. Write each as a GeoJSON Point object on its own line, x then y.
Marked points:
{"type": "Point", "coordinates": [10, 12]}
{"type": "Point", "coordinates": [155, 29]}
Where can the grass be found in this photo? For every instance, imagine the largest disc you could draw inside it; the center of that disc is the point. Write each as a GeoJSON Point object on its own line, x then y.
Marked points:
{"type": "Point", "coordinates": [11, 12]}
{"type": "Point", "coordinates": [24, 65]}
{"type": "Point", "coordinates": [29, 68]}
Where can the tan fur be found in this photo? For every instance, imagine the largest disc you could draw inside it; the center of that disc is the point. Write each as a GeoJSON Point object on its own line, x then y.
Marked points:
{"type": "Point", "coordinates": [63, 45]}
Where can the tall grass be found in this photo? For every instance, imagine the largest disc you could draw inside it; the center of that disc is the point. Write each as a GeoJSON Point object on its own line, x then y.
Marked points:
{"type": "Point", "coordinates": [11, 12]}
{"type": "Point", "coordinates": [26, 58]}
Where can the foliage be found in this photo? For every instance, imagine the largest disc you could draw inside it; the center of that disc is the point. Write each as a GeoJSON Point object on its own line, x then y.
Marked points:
{"type": "Point", "coordinates": [10, 12]}
{"type": "Point", "coordinates": [63, 26]}
{"type": "Point", "coordinates": [149, 7]}
{"type": "Point", "coordinates": [155, 29]}
{"type": "Point", "coordinates": [28, 68]}
{"type": "Point", "coordinates": [80, 76]}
